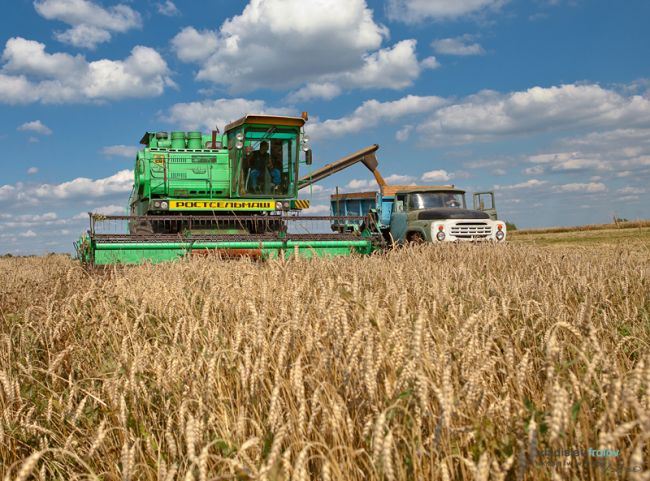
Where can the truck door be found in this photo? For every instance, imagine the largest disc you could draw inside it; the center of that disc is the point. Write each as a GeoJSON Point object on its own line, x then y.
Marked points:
{"type": "Point", "coordinates": [484, 201]}
{"type": "Point", "coordinates": [398, 219]}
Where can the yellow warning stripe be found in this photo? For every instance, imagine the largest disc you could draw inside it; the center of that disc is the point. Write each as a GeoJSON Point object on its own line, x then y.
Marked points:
{"type": "Point", "coordinates": [302, 204]}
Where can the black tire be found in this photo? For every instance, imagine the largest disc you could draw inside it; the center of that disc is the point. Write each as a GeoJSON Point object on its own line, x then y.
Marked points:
{"type": "Point", "coordinates": [416, 238]}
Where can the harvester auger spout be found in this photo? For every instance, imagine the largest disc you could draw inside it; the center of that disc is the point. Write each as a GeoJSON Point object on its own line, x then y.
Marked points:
{"type": "Point", "coordinates": [234, 193]}
{"type": "Point", "coordinates": [366, 156]}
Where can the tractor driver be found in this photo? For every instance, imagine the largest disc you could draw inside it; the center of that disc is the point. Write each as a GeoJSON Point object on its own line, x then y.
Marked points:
{"type": "Point", "coordinates": [276, 162]}
{"type": "Point", "coordinates": [257, 161]}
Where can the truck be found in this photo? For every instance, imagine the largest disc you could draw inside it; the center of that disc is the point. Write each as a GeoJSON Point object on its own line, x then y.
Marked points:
{"type": "Point", "coordinates": [421, 214]}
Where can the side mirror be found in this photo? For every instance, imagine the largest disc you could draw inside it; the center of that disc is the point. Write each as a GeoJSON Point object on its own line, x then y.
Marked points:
{"type": "Point", "coordinates": [399, 206]}
{"type": "Point", "coordinates": [308, 157]}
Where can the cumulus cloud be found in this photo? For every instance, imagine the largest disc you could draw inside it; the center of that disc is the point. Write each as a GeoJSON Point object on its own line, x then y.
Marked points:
{"type": "Point", "coordinates": [324, 91]}
{"type": "Point", "coordinates": [463, 46]}
{"type": "Point", "coordinates": [490, 115]}
{"type": "Point", "coordinates": [210, 113]}
{"type": "Point", "coordinates": [30, 74]}
{"type": "Point", "coordinates": [373, 112]}
{"type": "Point", "coordinates": [356, 184]}
{"type": "Point", "coordinates": [631, 190]}
{"type": "Point", "coordinates": [32, 170]}
{"type": "Point", "coordinates": [36, 126]}
{"type": "Point", "coordinates": [589, 188]}
{"type": "Point", "coordinates": [91, 24]}
{"type": "Point", "coordinates": [569, 161]}
{"type": "Point", "coordinates": [277, 44]}
{"type": "Point", "coordinates": [414, 11]}
{"type": "Point", "coordinates": [529, 184]}
{"type": "Point", "coordinates": [400, 179]}
{"type": "Point", "coordinates": [79, 188]}
{"type": "Point", "coordinates": [120, 151]}
{"type": "Point", "coordinates": [437, 175]}
{"type": "Point", "coordinates": [29, 233]}
{"type": "Point", "coordinates": [167, 8]}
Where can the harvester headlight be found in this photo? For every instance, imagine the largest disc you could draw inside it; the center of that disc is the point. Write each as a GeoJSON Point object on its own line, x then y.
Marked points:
{"type": "Point", "coordinates": [239, 145]}
{"type": "Point", "coordinates": [440, 236]}
{"type": "Point", "coordinates": [156, 204]}
{"type": "Point", "coordinates": [305, 139]}
{"type": "Point", "coordinates": [239, 136]}
{"type": "Point", "coordinates": [286, 205]}
{"type": "Point", "coordinates": [278, 206]}
{"type": "Point", "coordinates": [164, 205]}
{"type": "Point", "coordinates": [500, 235]}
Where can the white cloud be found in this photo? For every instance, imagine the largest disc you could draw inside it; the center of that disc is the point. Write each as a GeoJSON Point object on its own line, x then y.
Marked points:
{"type": "Point", "coordinates": [589, 188]}
{"type": "Point", "coordinates": [462, 46]}
{"type": "Point", "coordinates": [400, 179]}
{"type": "Point", "coordinates": [36, 126]}
{"type": "Point", "coordinates": [430, 63]}
{"type": "Point", "coordinates": [356, 184]}
{"type": "Point", "coordinates": [569, 161]}
{"type": "Point", "coordinates": [535, 170]}
{"type": "Point", "coordinates": [167, 8]}
{"type": "Point", "coordinates": [529, 184]}
{"type": "Point", "coordinates": [373, 112]}
{"type": "Point", "coordinates": [120, 151]}
{"type": "Point", "coordinates": [500, 172]}
{"type": "Point", "coordinates": [325, 91]}
{"type": "Point", "coordinates": [278, 44]}
{"type": "Point", "coordinates": [490, 115]}
{"type": "Point", "coordinates": [413, 11]}
{"type": "Point", "coordinates": [81, 187]}
{"type": "Point", "coordinates": [32, 170]}
{"type": "Point", "coordinates": [210, 113]}
{"type": "Point", "coordinates": [403, 134]}
{"type": "Point", "coordinates": [90, 23]}
{"type": "Point", "coordinates": [191, 45]}
{"type": "Point", "coordinates": [484, 163]}
{"type": "Point", "coordinates": [29, 233]}
{"type": "Point", "coordinates": [33, 75]}
{"type": "Point", "coordinates": [437, 175]}
{"type": "Point", "coordinates": [631, 190]}
{"type": "Point", "coordinates": [33, 140]}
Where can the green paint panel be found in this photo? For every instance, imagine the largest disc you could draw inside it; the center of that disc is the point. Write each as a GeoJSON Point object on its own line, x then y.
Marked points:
{"type": "Point", "coordinates": [138, 253]}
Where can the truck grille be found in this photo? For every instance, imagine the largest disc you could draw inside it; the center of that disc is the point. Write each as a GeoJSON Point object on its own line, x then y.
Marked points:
{"type": "Point", "coordinates": [471, 230]}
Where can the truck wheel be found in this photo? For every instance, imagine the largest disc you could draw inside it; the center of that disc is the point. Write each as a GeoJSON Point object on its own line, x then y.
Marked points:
{"type": "Point", "coordinates": [416, 238]}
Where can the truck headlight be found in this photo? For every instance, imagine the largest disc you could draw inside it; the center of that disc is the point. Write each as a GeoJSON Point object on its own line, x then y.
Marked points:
{"type": "Point", "coordinates": [164, 205]}
{"type": "Point", "coordinates": [440, 236]}
{"type": "Point", "coordinates": [278, 206]}
{"type": "Point", "coordinates": [156, 204]}
{"type": "Point", "coordinates": [239, 145]}
{"type": "Point", "coordinates": [500, 235]}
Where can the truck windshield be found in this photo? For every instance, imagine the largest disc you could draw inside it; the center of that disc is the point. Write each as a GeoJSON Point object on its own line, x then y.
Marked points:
{"type": "Point", "coordinates": [269, 161]}
{"type": "Point", "coordinates": [432, 200]}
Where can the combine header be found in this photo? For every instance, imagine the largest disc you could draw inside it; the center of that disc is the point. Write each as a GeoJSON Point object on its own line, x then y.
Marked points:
{"type": "Point", "coordinates": [234, 193]}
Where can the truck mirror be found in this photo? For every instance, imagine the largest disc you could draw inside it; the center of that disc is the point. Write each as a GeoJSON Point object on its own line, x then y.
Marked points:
{"type": "Point", "coordinates": [399, 206]}
{"type": "Point", "coordinates": [308, 157]}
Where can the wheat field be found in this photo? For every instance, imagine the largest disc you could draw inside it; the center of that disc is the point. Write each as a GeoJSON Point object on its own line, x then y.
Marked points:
{"type": "Point", "coordinates": [426, 363]}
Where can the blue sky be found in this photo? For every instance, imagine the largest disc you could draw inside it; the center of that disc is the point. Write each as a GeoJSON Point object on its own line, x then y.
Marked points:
{"type": "Point", "coordinates": [546, 102]}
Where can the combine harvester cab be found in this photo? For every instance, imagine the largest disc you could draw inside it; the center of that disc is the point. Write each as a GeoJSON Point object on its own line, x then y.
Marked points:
{"type": "Point", "coordinates": [234, 193]}
{"type": "Point", "coordinates": [421, 214]}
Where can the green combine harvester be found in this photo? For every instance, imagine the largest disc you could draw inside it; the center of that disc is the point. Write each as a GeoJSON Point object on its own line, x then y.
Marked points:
{"type": "Point", "coordinates": [234, 193]}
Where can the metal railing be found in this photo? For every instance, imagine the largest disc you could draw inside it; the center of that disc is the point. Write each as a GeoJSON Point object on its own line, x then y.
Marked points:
{"type": "Point", "coordinates": [181, 228]}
